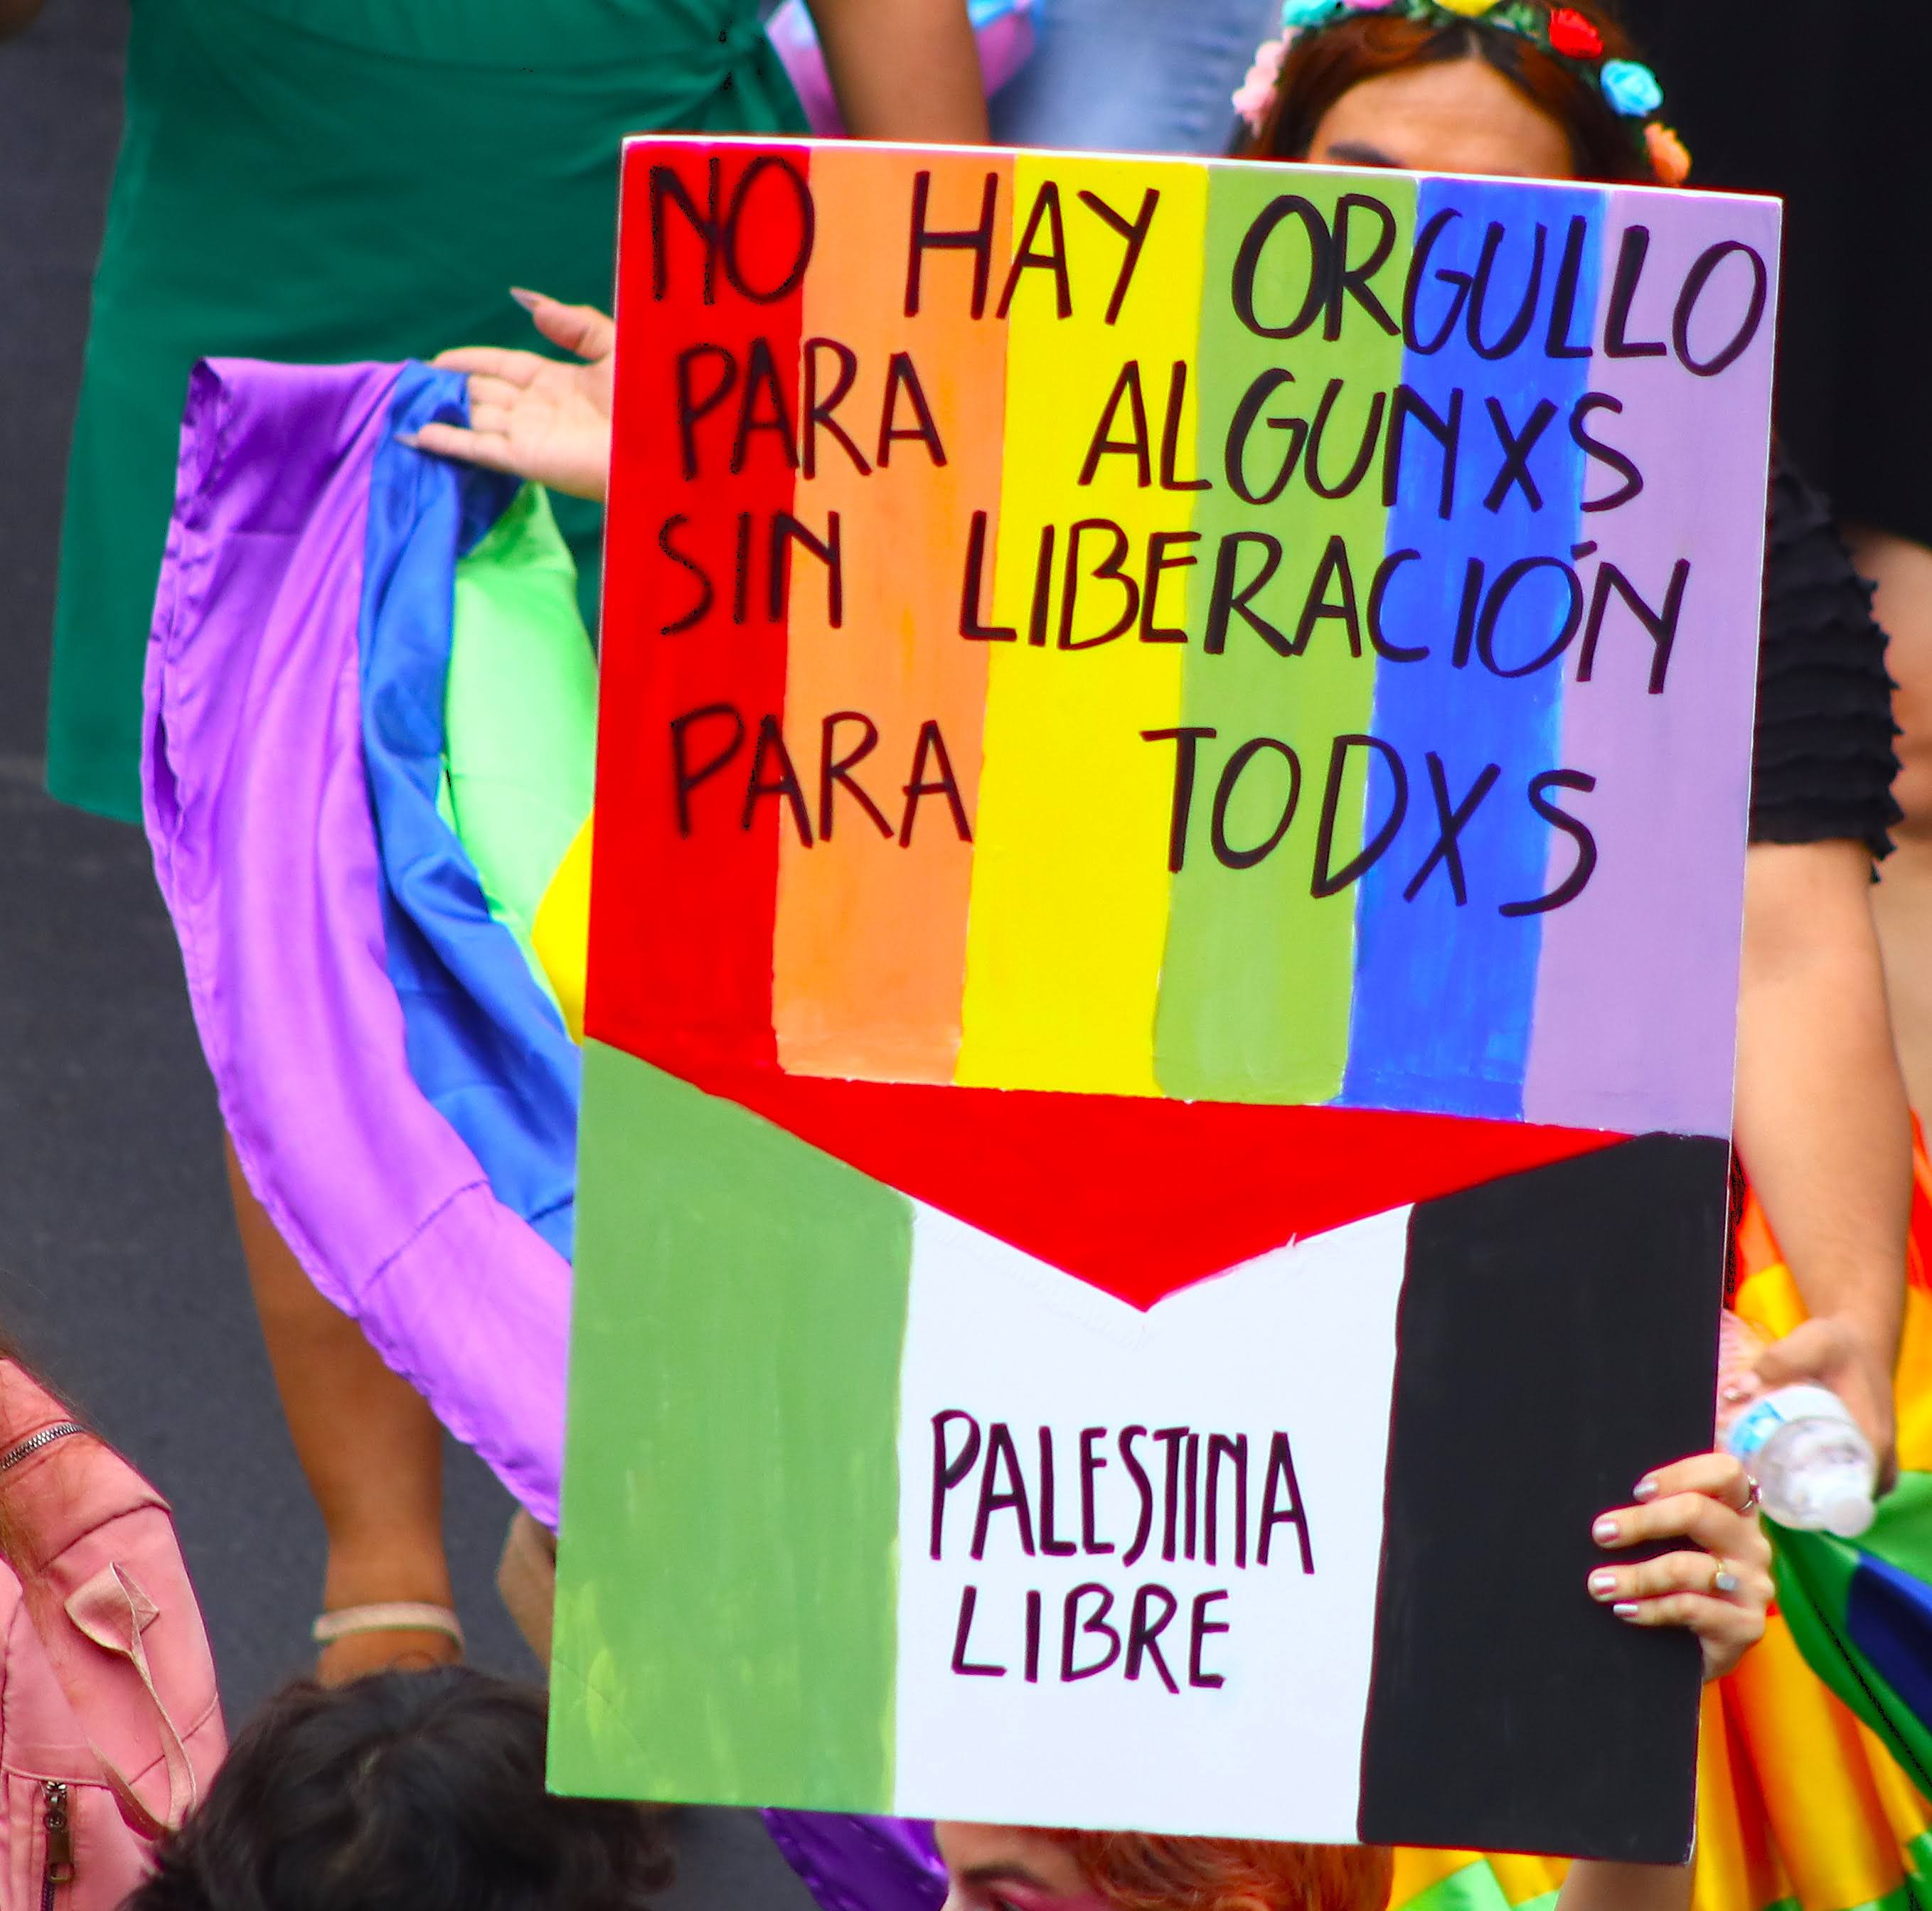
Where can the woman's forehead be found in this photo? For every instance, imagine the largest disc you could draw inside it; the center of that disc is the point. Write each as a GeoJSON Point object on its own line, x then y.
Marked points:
{"type": "Point", "coordinates": [1445, 116]}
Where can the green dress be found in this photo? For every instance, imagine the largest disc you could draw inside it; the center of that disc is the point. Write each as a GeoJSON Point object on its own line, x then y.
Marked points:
{"type": "Point", "coordinates": [319, 181]}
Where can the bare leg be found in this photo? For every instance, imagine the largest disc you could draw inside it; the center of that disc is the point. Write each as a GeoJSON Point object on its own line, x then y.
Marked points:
{"type": "Point", "coordinates": [1903, 905]}
{"type": "Point", "coordinates": [368, 1443]}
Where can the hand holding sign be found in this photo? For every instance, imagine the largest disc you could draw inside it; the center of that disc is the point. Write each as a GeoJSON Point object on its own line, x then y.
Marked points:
{"type": "Point", "coordinates": [1721, 1592]}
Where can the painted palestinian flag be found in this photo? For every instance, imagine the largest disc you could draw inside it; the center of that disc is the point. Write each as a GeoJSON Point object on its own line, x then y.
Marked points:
{"type": "Point", "coordinates": [1162, 939]}
{"type": "Point", "coordinates": [945, 1516]}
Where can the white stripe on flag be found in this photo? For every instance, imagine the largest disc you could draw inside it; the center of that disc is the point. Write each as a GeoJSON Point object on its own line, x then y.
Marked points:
{"type": "Point", "coordinates": [1300, 1342]}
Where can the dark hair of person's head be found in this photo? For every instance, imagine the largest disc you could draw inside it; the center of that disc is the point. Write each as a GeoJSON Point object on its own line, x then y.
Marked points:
{"type": "Point", "coordinates": [405, 1791]}
{"type": "Point", "coordinates": [1322, 66]}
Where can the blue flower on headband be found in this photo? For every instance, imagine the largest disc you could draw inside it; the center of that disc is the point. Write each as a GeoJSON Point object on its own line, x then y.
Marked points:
{"type": "Point", "coordinates": [1306, 13]}
{"type": "Point", "coordinates": [1631, 88]}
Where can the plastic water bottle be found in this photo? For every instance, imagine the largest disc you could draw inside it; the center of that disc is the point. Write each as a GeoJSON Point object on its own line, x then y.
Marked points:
{"type": "Point", "coordinates": [1814, 1468]}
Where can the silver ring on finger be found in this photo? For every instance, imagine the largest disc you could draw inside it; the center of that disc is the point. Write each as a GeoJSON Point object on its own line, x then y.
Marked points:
{"type": "Point", "coordinates": [1752, 1500]}
{"type": "Point", "coordinates": [1724, 1582]}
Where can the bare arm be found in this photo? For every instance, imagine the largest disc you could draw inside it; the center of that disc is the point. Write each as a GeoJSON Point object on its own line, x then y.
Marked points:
{"type": "Point", "coordinates": [1600, 1887]}
{"type": "Point", "coordinates": [903, 69]}
{"type": "Point", "coordinates": [17, 15]}
{"type": "Point", "coordinates": [1822, 1122]}
{"type": "Point", "coordinates": [1706, 1500]}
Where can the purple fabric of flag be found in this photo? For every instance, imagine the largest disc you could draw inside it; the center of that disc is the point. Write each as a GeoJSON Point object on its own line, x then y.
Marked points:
{"type": "Point", "coordinates": [853, 1864]}
{"type": "Point", "coordinates": [257, 811]}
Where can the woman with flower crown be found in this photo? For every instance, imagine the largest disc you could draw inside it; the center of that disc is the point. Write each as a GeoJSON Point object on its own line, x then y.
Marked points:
{"type": "Point", "coordinates": [1800, 1803]}
{"type": "Point", "coordinates": [1523, 88]}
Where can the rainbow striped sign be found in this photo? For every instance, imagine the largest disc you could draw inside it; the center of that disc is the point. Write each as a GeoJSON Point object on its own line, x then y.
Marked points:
{"type": "Point", "coordinates": [1160, 720]}
{"type": "Point", "coordinates": [1272, 551]}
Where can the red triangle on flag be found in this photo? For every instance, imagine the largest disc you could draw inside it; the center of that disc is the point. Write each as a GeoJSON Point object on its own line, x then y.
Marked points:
{"type": "Point", "coordinates": [1139, 1197]}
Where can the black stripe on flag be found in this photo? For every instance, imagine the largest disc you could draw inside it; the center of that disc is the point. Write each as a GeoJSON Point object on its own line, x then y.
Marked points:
{"type": "Point", "coordinates": [1556, 1339]}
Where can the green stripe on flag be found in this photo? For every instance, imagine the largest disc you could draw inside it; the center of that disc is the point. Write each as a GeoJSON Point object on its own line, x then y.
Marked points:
{"type": "Point", "coordinates": [1902, 1534]}
{"type": "Point", "coordinates": [520, 713]}
{"type": "Point", "coordinates": [1474, 1887]}
{"type": "Point", "coordinates": [1904, 1898]}
{"type": "Point", "coordinates": [1814, 1573]}
{"type": "Point", "coordinates": [726, 1593]}
{"type": "Point", "coordinates": [1918, 1859]}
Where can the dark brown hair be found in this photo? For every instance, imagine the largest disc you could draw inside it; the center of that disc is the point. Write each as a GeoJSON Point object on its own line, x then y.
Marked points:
{"type": "Point", "coordinates": [406, 1791]}
{"type": "Point", "coordinates": [1135, 1871]}
{"type": "Point", "coordinates": [1321, 66]}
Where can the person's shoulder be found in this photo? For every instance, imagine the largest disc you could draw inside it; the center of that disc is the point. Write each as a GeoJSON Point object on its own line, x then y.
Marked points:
{"type": "Point", "coordinates": [58, 1480]}
{"type": "Point", "coordinates": [1815, 603]}
{"type": "Point", "coordinates": [102, 1627]}
{"type": "Point", "coordinates": [1825, 760]}
{"type": "Point", "coordinates": [1799, 509]}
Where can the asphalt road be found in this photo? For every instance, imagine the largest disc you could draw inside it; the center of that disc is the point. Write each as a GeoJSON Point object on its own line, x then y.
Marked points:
{"type": "Point", "coordinates": [119, 1273]}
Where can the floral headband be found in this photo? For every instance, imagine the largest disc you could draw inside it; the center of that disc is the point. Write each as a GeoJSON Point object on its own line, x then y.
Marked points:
{"type": "Point", "coordinates": [1629, 87]}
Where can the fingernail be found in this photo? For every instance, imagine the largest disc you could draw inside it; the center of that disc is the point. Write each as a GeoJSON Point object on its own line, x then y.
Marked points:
{"type": "Point", "coordinates": [1603, 1585]}
{"type": "Point", "coordinates": [408, 438]}
{"type": "Point", "coordinates": [1645, 1489]}
{"type": "Point", "coordinates": [1626, 1609]}
{"type": "Point", "coordinates": [1604, 1531]}
{"type": "Point", "coordinates": [529, 301]}
{"type": "Point", "coordinates": [1727, 1582]}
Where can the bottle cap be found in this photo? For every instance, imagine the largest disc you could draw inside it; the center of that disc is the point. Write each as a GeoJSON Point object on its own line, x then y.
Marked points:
{"type": "Point", "coordinates": [1848, 1510]}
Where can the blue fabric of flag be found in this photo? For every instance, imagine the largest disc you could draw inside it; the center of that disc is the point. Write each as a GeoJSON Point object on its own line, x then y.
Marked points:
{"type": "Point", "coordinates": [485, 1044]}
{"type": "Point", "coordinates": [1888, 1615]}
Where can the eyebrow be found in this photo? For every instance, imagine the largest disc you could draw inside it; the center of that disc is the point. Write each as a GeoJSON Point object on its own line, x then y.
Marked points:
{"type": "Point", "coordinates": [1007, 1873]}
{"type": "Point", "coordinates": [1356, 152]}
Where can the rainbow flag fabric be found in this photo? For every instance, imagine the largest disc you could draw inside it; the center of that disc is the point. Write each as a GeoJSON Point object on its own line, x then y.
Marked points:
{"type": "Point", "coordinates": [398, 1081]}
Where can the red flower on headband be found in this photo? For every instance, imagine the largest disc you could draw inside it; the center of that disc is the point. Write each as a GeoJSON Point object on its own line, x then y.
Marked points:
{"type": "Point", "coordinates": [1573, 36]}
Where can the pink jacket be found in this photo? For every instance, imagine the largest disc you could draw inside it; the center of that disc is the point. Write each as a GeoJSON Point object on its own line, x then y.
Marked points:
{"type": "Point", "coordinates": [110, 1726]}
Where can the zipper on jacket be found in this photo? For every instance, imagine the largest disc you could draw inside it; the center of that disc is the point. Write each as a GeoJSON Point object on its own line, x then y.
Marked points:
{"type": "Point", "coordinates": [61, 1430]}
{"type": "Point", "coordinates": [59, 1868]}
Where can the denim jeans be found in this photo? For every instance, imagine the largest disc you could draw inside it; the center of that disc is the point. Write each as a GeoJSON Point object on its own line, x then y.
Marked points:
{"type": "Point", "coordinates": [1134, 75]}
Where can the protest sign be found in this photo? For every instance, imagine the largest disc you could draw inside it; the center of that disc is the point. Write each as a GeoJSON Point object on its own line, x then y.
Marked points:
{"type": "Point", "coordinates": [1173, 773]}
